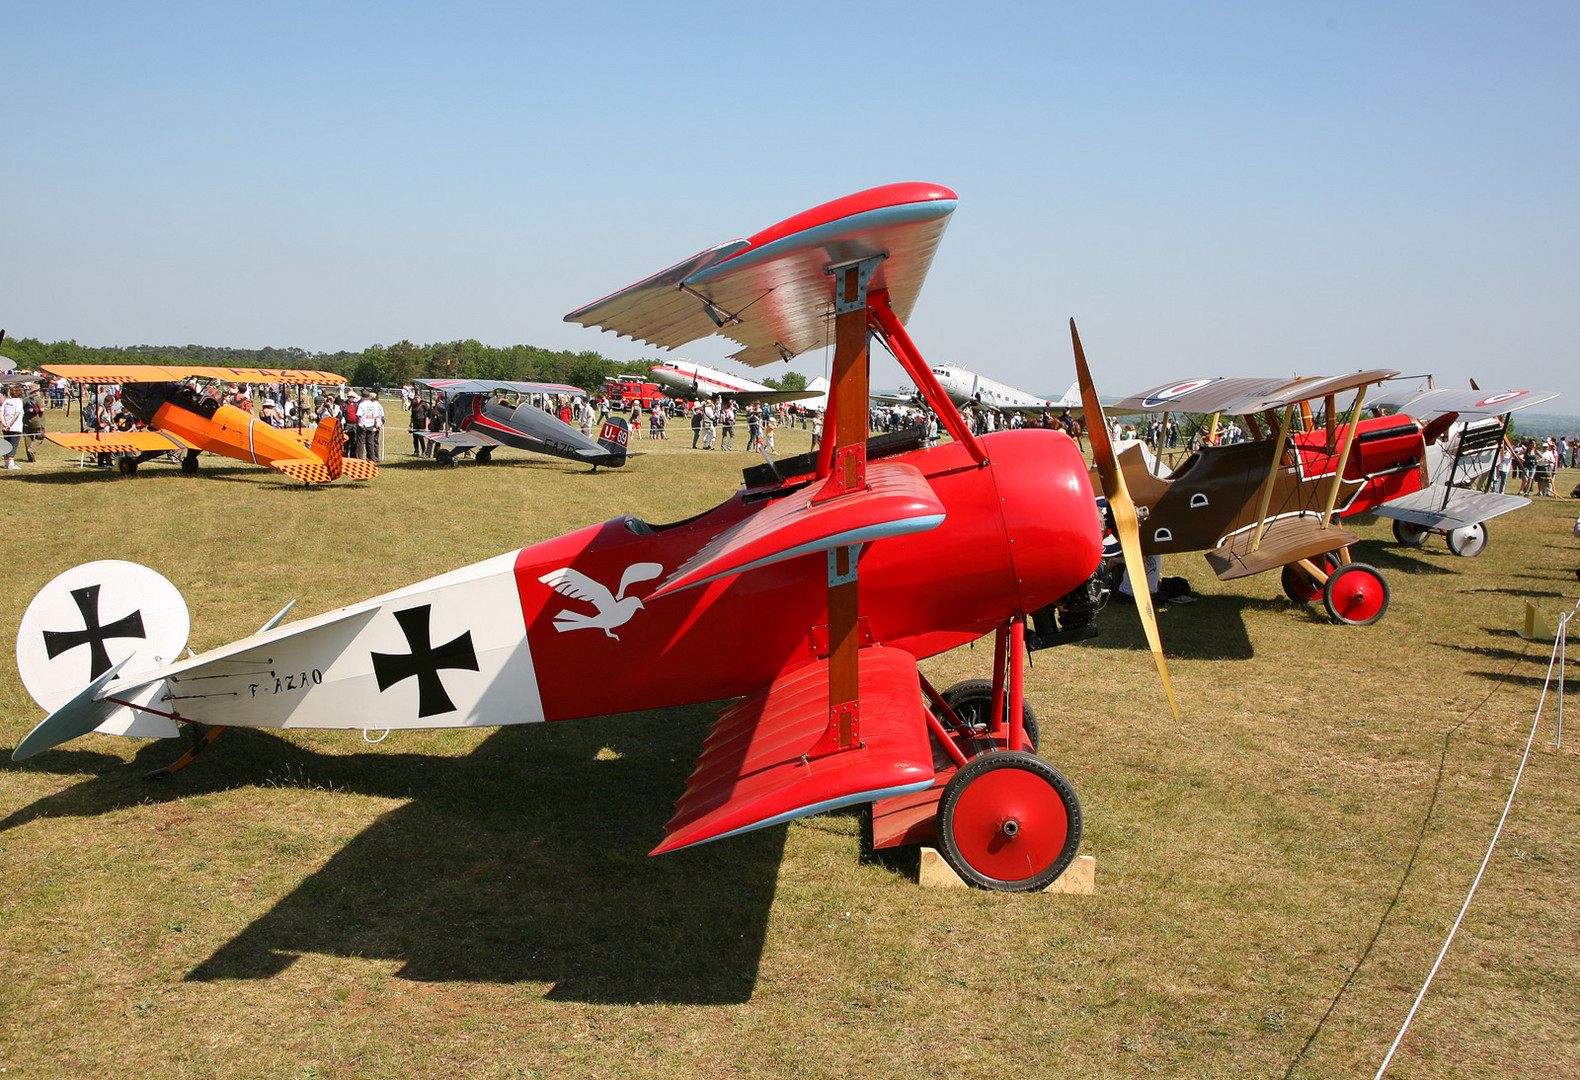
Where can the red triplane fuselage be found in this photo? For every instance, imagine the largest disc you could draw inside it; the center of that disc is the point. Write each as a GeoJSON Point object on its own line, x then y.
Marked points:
{"type": "Point", "coordinates": [1020, 532]}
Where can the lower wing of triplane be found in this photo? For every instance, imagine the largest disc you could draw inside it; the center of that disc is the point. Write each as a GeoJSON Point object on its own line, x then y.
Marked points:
{"type": "Point", "coordinates": [758, 767]}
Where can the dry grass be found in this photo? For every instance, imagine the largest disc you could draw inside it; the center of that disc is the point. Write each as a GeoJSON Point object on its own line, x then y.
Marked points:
{"type": "Point", "coordinates": [1275, 877]}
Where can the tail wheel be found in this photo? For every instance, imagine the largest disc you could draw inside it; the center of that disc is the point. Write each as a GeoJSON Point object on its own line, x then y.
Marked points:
{"type": "Point", "coordinates": [972, 701]}
{"type": "Point", "coordinates": [1009, 821]}
{"type": "Point", "coordinates": [1408, 534]}
{"type": "Point", "coordinates": [1356, 594]}
{"type": "Point", "coordinates": [1469, 541]}
{"type": "Point", "coordinates": [1300, 586]}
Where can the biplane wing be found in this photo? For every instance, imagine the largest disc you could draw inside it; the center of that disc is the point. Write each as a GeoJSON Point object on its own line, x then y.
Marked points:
{"type": "Point", "coordinates": [1239, 397]}
{"type": "Point", "coordinates": [755, 769]}
{"type": "Point", "coordinates": [459, 440]}
{"type": "Point", "coordinates": [1426, 405]}
{"type": "Point", "coordinates": [116, 442]}
{"type": "Point", "coordinates": [499, 386]}
{"type": "Point", "coordinates": [1285, 540]}
{"type": "Point", "coordinates": [897, 501]}
{"type": "Point", "coordinates": [104, 374]}
{"type": "Point", "coordinates": [770, 293]}
{"type": "Point", "coordinates": [1441, 507]}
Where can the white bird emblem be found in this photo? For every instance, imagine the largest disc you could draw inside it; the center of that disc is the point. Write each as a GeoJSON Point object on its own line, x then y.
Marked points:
{"type": "Point", "coordinates": [614, 609]}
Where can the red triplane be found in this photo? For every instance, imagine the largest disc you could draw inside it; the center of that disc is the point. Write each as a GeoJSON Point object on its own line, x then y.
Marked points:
{"type": "Point", "coordinates": [869, 555]}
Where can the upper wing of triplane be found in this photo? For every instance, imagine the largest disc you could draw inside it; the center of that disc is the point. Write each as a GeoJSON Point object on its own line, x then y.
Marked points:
{"type": "Point", "coordinates": [772, 293]}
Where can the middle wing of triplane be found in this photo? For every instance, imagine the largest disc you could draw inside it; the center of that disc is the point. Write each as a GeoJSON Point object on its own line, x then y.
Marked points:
{"type": "Point", "coordinates": [898, 501]}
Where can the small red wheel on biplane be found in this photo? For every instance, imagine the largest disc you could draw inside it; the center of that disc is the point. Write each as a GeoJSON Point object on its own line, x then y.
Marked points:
{"type": "Point", "coordinates": [1009, 820]}
{"type": "Point", "coordinates": [1356, 594]}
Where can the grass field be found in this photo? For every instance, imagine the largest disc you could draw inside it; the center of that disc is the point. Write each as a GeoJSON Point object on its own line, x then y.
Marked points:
{"type": "Point", "coordinates": [1275, 876]}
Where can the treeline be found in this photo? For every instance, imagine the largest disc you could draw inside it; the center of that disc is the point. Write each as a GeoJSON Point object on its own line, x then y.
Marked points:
{"type": "Point", "coordinates": [377, 365]}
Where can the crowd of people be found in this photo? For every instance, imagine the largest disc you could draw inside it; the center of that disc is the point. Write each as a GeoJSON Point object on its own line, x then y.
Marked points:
{"type": "Point", "coordinates": [1534, 463]}
{"type": "Point", "coordinates": [1526, 465]}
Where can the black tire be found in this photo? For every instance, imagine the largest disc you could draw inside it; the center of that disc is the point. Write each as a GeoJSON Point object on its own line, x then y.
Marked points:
{"type": "Point", "coordinates": [1008, 812]}
{"type": "Point", "coordinates": [485, 455]}
{"type": "Point", "coordinates": [189, 464]}
{"type": "Point", "coordinates": [443, 456]}
{"type": "Point", "coordinates": [1356, 595]}
{"type": "Point", "coordinates": [972, 701]}
{"type": "Point", "coordinates": [1410, 535]}
{"type": "Point", "coordinates": [1469, 541]}
{"type": "Point", "coordinates": [127, 466]}
{"type": "Point", "coordinates": [1300, 586]}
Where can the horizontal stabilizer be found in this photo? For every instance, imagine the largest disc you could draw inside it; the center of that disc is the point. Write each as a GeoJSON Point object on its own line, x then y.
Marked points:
{"type": "Point", "coordinates": [358, 469]}
{"type": "Point", "coordinates": [307, 470]}
{"type": "Point", "coordinates": [84, 712]}
{"type": "Point", "coordinates": [1285, 540]}
{"type": "Point", "coordinates": [1427, 509]}
{"type": "Point", "coordinates": [898, 501]}
{"type": "Point", "coordinates": [753, 772]}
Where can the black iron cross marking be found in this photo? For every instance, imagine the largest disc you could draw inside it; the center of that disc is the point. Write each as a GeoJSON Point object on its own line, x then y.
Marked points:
{"type": "Point", "coordinates": [424, 661]}
{"type": "Point", "coordinates": [92, 634]}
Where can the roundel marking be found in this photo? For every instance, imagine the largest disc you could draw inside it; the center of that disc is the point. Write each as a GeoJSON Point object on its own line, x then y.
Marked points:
{"type": "Point", "coordinates": [1169, 393]}
{"type": "Point", "coordinates": [1499, 398]}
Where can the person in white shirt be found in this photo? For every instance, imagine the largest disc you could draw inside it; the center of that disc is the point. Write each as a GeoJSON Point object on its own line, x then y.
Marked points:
{"type": "Point", "coordinates": [11, 425]}
{"type": "Point", "coordinates": [370, 425]}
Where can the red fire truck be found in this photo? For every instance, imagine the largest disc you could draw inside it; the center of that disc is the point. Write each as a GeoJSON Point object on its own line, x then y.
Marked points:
{"type": "Point", "coordinates": [621, 389]}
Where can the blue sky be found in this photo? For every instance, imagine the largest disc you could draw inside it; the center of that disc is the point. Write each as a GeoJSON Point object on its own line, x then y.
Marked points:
{"type": "Point", "coordinates": [1206, 188]}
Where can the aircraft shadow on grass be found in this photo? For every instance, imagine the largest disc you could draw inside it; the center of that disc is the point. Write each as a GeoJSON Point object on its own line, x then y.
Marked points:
{"type": "Point", "coordinates": [1392, 558]}
{"type": "Point", "coordinates": [525, 860]}
{"type": "Point", "coordinates": [1212, 628]}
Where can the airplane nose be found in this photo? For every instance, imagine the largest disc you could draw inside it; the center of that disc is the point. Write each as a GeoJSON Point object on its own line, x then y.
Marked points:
{"type": "Point", "coordinates": [1049, 511]}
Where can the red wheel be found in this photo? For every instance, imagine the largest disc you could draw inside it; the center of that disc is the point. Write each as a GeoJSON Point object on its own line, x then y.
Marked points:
{"type": "Point", "coordinates": [972, 701]}
{"type": "Point", "coordinates": [1300, 586]}
{"type": "Point", "coordinates": [1009, 821]}
{"type": "Point", "coordinates": [1356, 594]}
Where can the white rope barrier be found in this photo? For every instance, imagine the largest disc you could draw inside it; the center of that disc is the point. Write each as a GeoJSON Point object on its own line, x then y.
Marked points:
{"type": "Point", "coordinates": [1553, 662]}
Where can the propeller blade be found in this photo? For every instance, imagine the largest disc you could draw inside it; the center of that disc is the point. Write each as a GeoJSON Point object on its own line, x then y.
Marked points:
{"type": "Point", "coordinates": [1123, 509]}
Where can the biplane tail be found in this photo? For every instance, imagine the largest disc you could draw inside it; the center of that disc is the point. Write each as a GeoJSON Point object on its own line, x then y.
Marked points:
{"type": "Point", "coordinates": [329, 445]}
{"type": "Point", "coordinates": [84, 641]}
{"type": "Point", "coordinates": [614, 437]}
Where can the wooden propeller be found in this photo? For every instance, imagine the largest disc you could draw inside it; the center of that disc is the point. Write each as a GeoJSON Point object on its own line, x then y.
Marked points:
{"type": "Point", "coordinates": [1123, 509]}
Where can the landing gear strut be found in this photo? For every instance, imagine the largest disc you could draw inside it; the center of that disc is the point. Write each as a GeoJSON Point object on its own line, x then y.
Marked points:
{"type": "Point", "coordinates": [203, 737]}
{"type": "Point", "coordinates": [1002, 818]}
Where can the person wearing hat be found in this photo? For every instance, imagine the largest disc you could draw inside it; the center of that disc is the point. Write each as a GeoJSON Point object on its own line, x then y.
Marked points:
{"type": "Point", "coordinates": [370, 424]}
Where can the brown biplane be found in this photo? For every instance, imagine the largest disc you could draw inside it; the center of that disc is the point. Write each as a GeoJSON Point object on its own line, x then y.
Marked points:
{"type": "Point", "coordinates": [1270, 503]}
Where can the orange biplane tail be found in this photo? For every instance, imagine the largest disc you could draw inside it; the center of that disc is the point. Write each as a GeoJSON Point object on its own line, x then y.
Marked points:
{"type": "Point", "coordinates": [329, 444]}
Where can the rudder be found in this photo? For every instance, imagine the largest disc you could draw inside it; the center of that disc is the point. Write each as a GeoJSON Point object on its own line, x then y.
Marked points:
{"type": "Point", "coordinates": [614, 436]}
{"type": "Point", "coordinates": [329, 446]}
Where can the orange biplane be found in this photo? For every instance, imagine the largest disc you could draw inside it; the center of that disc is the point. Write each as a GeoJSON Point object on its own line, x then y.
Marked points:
{"type": "Point", "coordinates": [181, 418]}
